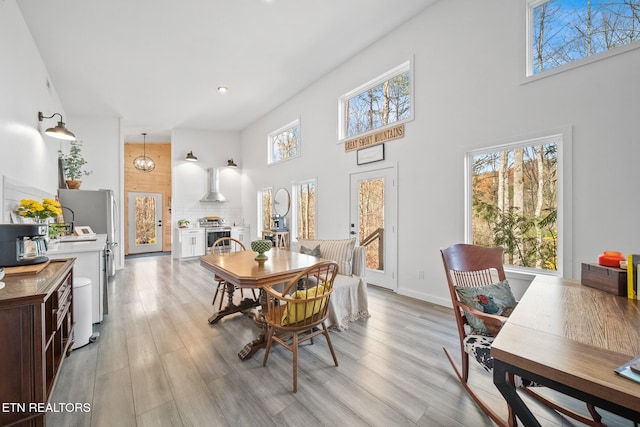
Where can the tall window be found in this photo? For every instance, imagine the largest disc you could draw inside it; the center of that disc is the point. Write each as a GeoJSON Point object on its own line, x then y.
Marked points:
{"type": "Point", "coordinates": [304, 209]}
{"type": "Point", "coordinates": [284, 143]}
{"type": "Point", "coordinates": [265, 204]}
{"type": "Point", "coordinates": [514, 201]}
{"type": "Point", "coordinates": [564, 31]}
{"type": "Point", "coordinates": [383, 101]}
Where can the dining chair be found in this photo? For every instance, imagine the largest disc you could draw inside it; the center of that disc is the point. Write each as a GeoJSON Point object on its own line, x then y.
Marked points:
{"type": "Point", "coordinates": [482, 301]}
{"type": "Point", "coordinates": [226, 245]}
{"type": "Point", "coordinates": [298, 313]}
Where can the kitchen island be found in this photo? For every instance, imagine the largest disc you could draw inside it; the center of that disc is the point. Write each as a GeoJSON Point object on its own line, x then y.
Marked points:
{"type": "Point", "coordinates": [90, 263]}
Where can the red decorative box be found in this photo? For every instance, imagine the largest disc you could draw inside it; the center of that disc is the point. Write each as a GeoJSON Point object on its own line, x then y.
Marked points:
{"type": "Point", "coordinates": [608, 279]}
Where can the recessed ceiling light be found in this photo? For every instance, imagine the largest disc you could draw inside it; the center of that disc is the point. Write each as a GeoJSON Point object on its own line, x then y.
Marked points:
{"type": "Point", "coordinates": [223, 89]}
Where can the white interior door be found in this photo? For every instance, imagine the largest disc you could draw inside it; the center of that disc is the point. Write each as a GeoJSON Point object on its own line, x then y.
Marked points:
{"type": "Point", "coordinates": [145, 222]}
{"type": "Point", "coordinates": [373, 214]}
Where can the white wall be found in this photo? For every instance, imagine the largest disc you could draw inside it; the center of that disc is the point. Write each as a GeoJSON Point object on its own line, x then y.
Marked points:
{"type": "Point", "coordinates": [469, 64]}
{"type": "Point", "coordinates": [212, 149]}
{"type": "Point", "coordinates": [26, 154]}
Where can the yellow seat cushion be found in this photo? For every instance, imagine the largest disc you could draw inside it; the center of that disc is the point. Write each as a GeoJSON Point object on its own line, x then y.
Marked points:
{"type": "Point", "coordinates": [295, 312]}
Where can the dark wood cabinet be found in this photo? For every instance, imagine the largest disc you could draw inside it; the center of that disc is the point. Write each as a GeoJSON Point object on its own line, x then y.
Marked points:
{"type": "Point", "coordinates": [36, 333]}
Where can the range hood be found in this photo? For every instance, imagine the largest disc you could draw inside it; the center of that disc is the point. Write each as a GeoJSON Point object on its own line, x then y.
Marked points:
{"type": "Point", "coordinates": [213, 193]}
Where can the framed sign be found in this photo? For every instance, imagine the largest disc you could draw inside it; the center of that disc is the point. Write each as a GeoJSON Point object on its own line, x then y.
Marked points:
{"type": "Point", "coordinates": [371, 154]}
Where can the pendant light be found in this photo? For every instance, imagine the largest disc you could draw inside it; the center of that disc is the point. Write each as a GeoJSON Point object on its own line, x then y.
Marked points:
{"type": "Point", "coordinates": [144, 163]}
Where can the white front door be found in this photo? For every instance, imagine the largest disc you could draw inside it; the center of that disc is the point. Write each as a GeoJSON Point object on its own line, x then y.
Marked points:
{"type": "Point", "coordinates": [374, 217]}
{"type": "Point", "coordinates": [145, 222]}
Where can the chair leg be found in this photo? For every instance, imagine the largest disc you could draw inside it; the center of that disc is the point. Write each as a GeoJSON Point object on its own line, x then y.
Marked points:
{"type": "Point", "coordinates": [295, 361]}
{"type": "Point", "coordinates": [485, 408]}
{"type": "Point", "coordinates": [267, 348]}
{"type": "Point", "coordinates": [326, 334]}
{"type": "Point", "coordinates": [215, 295]}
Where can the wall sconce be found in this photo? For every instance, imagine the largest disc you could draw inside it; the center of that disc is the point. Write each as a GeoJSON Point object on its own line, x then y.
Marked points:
{"type": "Point", "coordinates": [231, 164]}
{"type": "Point", "coordinates": [60, 131]}
{"type": "Point", "coordinates": [190, 157]}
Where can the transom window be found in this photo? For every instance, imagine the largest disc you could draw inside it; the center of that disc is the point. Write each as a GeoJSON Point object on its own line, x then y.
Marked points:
{"type": "Point", "coordinates": [565, 31]}
{"type": "Point", "coordinates": [284, 143]}
{"type": "Point", "coordinates": [304, 209]}
{"type": "Point", "coordinates": [514, 200]}
{"type": "Point", "coordinates": [383, 101]}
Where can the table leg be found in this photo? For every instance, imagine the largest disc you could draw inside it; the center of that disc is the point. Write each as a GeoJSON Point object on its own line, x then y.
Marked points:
{"type": "Point", "coordinates": [258, 317]}
{"type": "Point", "coordinates": [508, 391]}
{"type": "Point", "coordinates": [231, 308]}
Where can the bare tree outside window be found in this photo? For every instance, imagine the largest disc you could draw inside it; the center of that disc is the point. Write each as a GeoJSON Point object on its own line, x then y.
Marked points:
{"type": "Point", "coordinates": [284, 143]}
{"type": "Point", "coordinates": [266, 199]}
{"type": "Point", "coordinates": [515, 205]}
{"type": "Point", "coordinates": [565, 31]}
{"type": "Point", "coordinates": [381, 105]}
{"type": "Point", "coordinates": [305, 202]}
{"type": "Point", "coordinates": [383, 101]}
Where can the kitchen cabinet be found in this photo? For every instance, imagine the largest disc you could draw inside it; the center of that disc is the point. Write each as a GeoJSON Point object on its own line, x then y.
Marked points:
{"type": "Point", "coordinates": [90, 263]}
{"type": "Point", "coordinates": [191, 242]}
{"type": "Point", "coordinates": [36, 332]}
{"type": "Point", "coordinates": [243, 234]}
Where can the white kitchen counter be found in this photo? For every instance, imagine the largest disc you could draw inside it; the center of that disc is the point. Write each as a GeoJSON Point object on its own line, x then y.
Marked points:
{"type": "Point", "coordinates": [78, 246]}
{"type": "Point", "coordinates": [89, 263]}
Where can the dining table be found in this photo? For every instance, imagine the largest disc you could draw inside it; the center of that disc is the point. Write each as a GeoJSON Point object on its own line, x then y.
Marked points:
{"type": "Point", "coordinates": [571, 338]}
{"type": "Point", "coordinates": [242, 270]}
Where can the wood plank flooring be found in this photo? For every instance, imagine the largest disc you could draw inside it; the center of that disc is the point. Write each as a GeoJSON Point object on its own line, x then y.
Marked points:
{"type": "Point", "coordinates": [159, 363]}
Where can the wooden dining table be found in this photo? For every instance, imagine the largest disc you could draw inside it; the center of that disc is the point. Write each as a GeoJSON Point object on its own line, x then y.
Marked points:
{"type": "Point", "coordinates": [571, 338]}
{"type": "Point", "coordinates": [240, 269]}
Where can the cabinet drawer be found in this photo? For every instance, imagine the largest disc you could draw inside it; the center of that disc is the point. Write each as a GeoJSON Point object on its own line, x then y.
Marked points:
{"type": "Point", "coordinates": [61, 313]}
{"type": "Point", "coordinates": [65, 288]}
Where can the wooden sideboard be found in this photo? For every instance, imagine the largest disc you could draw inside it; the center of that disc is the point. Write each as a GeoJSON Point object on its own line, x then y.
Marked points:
{"type": "Point", "coordinates": [36, 332]}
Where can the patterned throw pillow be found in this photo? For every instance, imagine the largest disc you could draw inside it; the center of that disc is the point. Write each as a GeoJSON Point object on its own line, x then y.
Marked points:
{"type": "Point", "coordinates": [495, 298]}
{"type": "Point", "coordinates": [313, 252]}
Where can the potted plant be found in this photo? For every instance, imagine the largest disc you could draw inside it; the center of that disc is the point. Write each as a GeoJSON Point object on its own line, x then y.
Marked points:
{"type": "Point", "coordinates": [73, 165]}
{"type": "Point", "coordinates": [183, 223]}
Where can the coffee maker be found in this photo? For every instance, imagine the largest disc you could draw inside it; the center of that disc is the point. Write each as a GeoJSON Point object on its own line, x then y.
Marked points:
{"type": "Point", "coordinates": [278, 223]}
{"type": "Point", "coordinates": [22, 244]}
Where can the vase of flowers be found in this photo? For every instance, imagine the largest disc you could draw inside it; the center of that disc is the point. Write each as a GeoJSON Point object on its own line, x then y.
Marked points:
{"type": "Point", "coordinates": [73, 165]}
{"type": "Point", "coordinates": [40, 212]}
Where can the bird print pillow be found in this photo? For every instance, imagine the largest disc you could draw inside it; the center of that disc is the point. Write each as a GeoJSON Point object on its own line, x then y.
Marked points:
{"type": "Point", "coordinates": [495, 298]}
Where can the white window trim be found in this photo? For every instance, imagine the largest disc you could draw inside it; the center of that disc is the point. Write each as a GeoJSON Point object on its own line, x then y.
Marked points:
{"type": "Point", "coordinates": [402, 68]}
{"type": "Point", "coordinates": [275, 133]}
{"type": "Point", "coordinates": [564, 188]}
{"type": "Point", "coordinates": [529, 76]}
{"type": "Point", "coordinates": [294, 208]}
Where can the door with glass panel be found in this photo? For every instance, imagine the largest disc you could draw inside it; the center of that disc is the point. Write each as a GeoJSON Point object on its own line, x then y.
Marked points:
{"type": "Point", "coordinates": [145, 222]}
{"type": "Point", "coordinates": [374, 223]}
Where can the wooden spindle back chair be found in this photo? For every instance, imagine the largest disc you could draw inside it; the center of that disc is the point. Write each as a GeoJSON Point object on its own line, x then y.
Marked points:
{"type": "Point", "coordinates": [475, 266]}
{"type": "Point", "coordinates": [298, 313]}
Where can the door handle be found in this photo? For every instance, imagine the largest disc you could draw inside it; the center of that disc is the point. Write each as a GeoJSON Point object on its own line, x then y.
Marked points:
{"type": "Point", "coordinates": [159, 223]}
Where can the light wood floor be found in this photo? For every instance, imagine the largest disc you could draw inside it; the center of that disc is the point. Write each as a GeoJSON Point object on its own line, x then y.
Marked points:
{"type": "Point", "coordinates": [159, 363]}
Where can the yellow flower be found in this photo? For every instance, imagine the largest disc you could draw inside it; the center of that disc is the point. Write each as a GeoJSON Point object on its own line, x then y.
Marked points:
{"type": "Point", "coordinates": [49, 208]}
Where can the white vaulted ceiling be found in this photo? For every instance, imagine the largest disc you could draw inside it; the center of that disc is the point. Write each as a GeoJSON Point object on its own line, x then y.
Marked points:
{"type": "Point", "coordinates": [157, 63]}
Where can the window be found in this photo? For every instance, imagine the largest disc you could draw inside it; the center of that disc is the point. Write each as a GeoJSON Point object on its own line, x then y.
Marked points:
{"type": "Point", "coordinates": [284, 143]}
{"type": "Point", "coordinates": [304, 209]}
{"type": "Point", "coordinates": [565, 31]}
{"type": "Point", "coordinates": [514, 200]}
{"type": "Point", "coordinates": [265, 204]}
{"type": "Point", "coordinates": [383, 101]}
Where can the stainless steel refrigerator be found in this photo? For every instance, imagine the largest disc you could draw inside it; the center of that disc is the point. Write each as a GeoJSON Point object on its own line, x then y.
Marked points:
{"type": "Point", "coordinates": [97, 209]}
